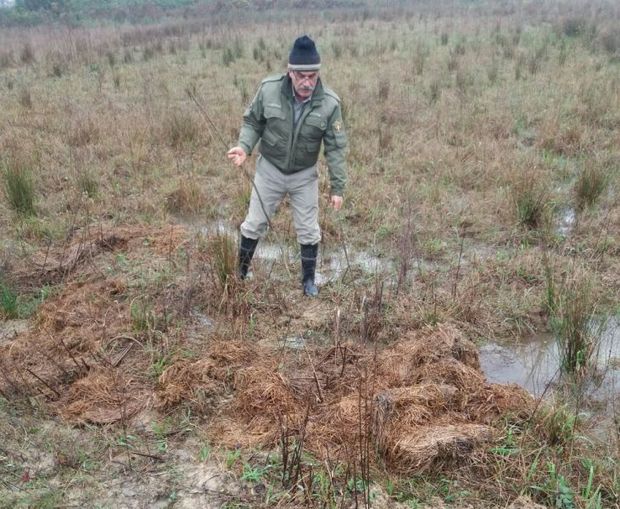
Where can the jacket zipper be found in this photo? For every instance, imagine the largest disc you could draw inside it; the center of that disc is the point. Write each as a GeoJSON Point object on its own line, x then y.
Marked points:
{"type": "Point", "coordinates": [305, 112]}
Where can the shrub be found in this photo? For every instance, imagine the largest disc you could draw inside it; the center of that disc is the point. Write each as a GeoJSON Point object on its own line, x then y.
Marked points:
{"type": "Point", "coordinates": [419, 59]}
{"type": "Point", "coordinates": [238, 48]}
{"type": "Point", "coordinates": [6, 59]}
{"type": "Point", "coordinates": [572, 311]}
{"type": "Point", "coordinates": [434, 91]}
{"type": "Point", "coordinates": [530, 207]}
{"type": "Point", "coordinates": [530, 200]}
{"type": "Point", "coordinates": [142, 315]}
{"type": "Point", "coordinates": [19, 189]}
{"type": "Point", "coordinates": [87, 184]}
{"type": "Point", "coordinates": [27, 54]}
{"type": "Point", "coordinates": [493, 71]}
{"type": "Point", "coordinates": [590, 185]}
{"type": "Point", "coordinates": [8, 301]}
{"type": "Point", "coordinates": [453, 61]}
{"type": "Point", "coordinates": [610, 40]}
{"type": "Point", "coordinates": [181, 129]}
{"type": "Point", "coordinates": [384, 89]}
{"type": "Point", "coordinates": [128, 56]}
{"type": "Point", "coordinates": [337, 50]}
{"type": "Point", "coordinates": [58, 69]}
{"type": "Point", "coordinates": [228, 57]}
{"type": "Point", "coordinates": [25, 98]}
{"type": "Point", "coordinates": [148, 53]}
{"type": "Point", "coordinates": [573, 26]}
{"type": "Point", "coordinates": [224, 257]}
{"type": "Point", "coordinates": [84, 131]}
{"type": "Point", "coordinates": [187, 198]}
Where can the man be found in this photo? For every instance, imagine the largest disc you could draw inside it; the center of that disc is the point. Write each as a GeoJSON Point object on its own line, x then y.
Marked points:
{"type": "Point", "coordinates": [291, 115]}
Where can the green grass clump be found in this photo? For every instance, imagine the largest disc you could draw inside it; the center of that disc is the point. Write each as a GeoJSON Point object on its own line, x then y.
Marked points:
{"type": "Point", "coordinates": [531, 206]}
{"type": "Point", "coordinates": [590, 185]}
{"type": "Point", "coordinates": [187, 198]}
{"type": "Point", "coordinates": [181, 130]}
{"type": "Point", "coordinates": [19, 189]}
{"type": "Point", "coordinates": [8, 301]}
{"type": "Point", "coordinates": [14, 305]}
{"type": "Point", "coordinates": [88, 184]}
{"type": "Point", "coordinates": [573, 307]}
{"type": "Point", "coordinates": [142, 316]}
{"type": "Point", "coordinates": [224, 257]}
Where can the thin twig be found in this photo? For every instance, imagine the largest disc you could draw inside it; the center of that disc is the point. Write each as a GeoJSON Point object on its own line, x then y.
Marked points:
{"type": "Point", "coordinates": [215, 130]}
{"type": "Point", "coordinates": [43, 382]}
{"type": "Point", "coordinates": [122, 355]}
{"type": "Point", "coordinates": [316, 378]}
{"type": "Point", "coordinates": [69, 352]}
{"type": "Point", "coordinates": [344, 247]}
{"type": "Point", "coordinates": [145, 455]}
{"type": "Point", "coordinates": [458, 268]}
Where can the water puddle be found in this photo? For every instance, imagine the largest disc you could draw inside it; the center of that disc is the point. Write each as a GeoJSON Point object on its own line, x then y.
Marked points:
{"type": "Point", "coordinates": [334, 265]}
{"type": "Point", "coordinates": [273, 253]}
{"type": "Point", "coordinates": [218, 227]}
{"type": "Point", "coordinates": [534, 365]}
{"type": "Point", "coordinates": [203, 320]}
{"type": "Point", "coordinates": [331, 265]}
{"type": "Point", "coordinates": [294, 342]}
{"type": "Point", "coordinates": [568, 218]}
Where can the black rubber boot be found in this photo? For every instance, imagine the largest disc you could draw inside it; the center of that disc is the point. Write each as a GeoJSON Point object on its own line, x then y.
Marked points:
{"type": "Point", "coordinates": [309, 253]}
{"type": "Point", "coordinates": [246, 252]}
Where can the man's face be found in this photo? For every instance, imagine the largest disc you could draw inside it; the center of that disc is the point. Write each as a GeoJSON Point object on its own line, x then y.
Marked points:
{"type": "Point", "coordinates": [304, 82]}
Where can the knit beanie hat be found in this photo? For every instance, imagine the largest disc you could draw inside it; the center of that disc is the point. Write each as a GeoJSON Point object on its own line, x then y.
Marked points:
{"type": "Point", "coordinates": [304, 56]}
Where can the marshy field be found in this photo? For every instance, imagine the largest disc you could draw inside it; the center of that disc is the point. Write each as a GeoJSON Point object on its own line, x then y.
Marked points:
{"type": "Point", "coordinates": [464, 350]}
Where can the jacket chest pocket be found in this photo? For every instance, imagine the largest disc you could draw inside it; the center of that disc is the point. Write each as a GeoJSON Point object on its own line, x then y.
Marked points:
{"type": "Point", "coordinates": [275, 120]}
{"type": "Point", "coordinates": [313, 128]}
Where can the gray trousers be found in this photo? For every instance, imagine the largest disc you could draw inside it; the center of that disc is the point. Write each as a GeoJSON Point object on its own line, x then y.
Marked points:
{"type": "Point", "coordinates": [273, 185]}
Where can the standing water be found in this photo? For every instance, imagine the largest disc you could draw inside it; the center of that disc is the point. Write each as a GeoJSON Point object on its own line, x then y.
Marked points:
{"type": "Point", "coordinates": [534, 364]}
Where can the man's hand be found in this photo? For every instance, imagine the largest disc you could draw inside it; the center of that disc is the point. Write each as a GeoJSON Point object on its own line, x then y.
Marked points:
{"type": "Point", "coordinates": [335, 202]}
{"type": "Point", "coordinates": [237, 155]}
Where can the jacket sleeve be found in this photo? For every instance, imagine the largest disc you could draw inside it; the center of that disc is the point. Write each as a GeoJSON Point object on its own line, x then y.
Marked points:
{"type": "Point", "coordinates": [335, 143]}
{"type": "Point", "coordinates": [253, 124]}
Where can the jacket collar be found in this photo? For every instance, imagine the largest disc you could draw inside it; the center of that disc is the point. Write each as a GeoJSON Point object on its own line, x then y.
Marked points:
{"type": "Point", "coordinates": [287, 90]}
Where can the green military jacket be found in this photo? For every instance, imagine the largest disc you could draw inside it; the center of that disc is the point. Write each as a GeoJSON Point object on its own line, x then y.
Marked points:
{"type": "Point", "coordinates": [270, 119]}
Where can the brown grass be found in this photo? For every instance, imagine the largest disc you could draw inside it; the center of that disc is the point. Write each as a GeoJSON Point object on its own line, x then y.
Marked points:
{"type": "Point", "coordinates": [432, 390]}
{"type": "Point", "coordinates": [414, 391]}
{"type": "Point", "coordinates": [104, 396]}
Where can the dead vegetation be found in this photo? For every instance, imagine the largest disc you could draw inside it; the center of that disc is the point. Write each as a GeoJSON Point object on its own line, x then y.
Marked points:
{"type": "Point", "coordinates": [421, 401]}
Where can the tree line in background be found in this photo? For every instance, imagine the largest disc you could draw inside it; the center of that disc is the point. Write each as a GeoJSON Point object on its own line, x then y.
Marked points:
{"type": "Point", "coordinates": [32, 12]}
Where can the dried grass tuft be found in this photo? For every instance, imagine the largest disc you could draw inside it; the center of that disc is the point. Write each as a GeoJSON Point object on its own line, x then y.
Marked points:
{"type": "Point", "coordinates": [422, 387]}
{"type": "Point", "coordinates": [187, 198]}
{"type": "Point", "coordinates": [104, 396]}
{"type": "Point", "coordinates": [190, 382]}
{"type": "Point", "coordinates": [262, 390]}
{"type": "Point", "coordinates": [419, 451]}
